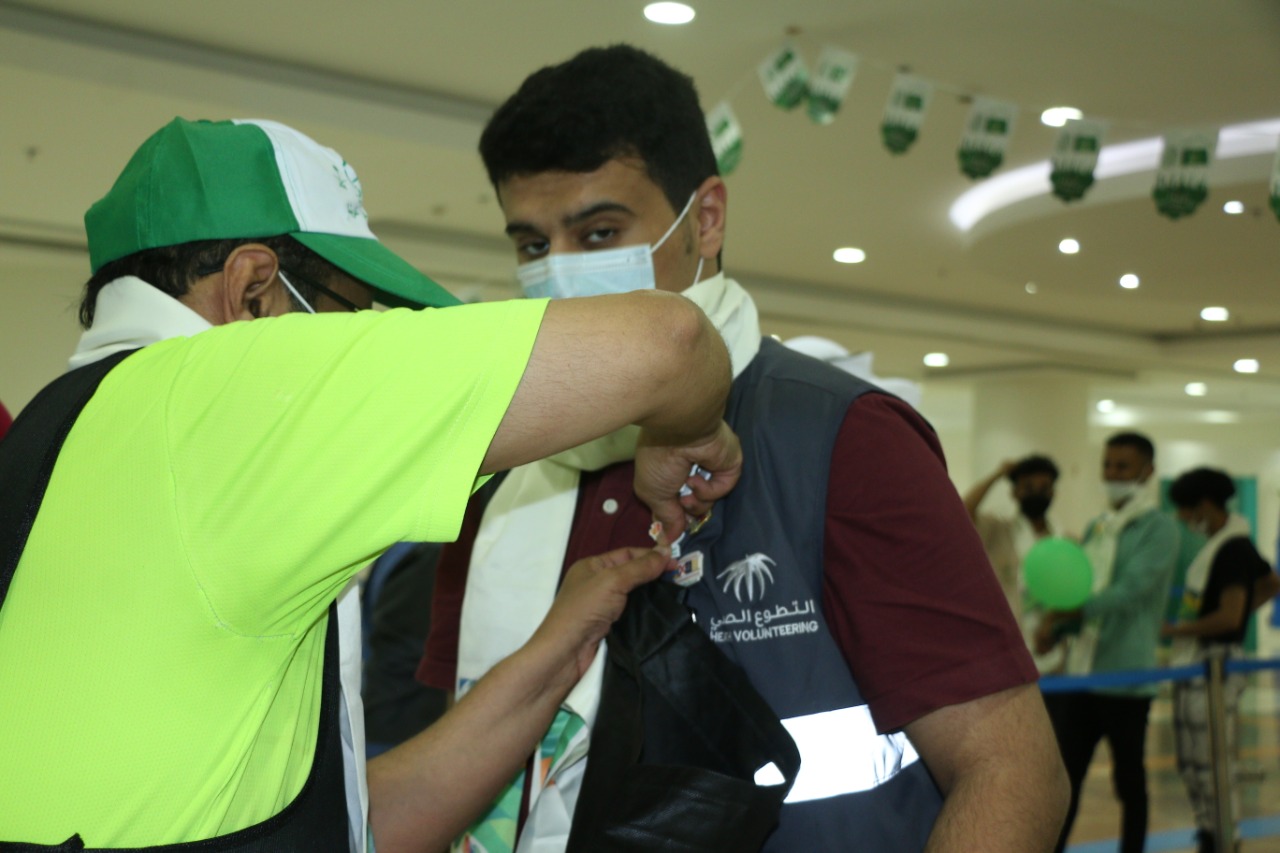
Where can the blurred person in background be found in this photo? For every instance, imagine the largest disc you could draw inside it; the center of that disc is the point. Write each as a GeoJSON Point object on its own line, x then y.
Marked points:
{"type": "Point", "coordinates": [1133, 548]}
{"type": "Point", "coordinates": [1008, 538]}
{"type": "Point", "coordinates": [1225, 583]}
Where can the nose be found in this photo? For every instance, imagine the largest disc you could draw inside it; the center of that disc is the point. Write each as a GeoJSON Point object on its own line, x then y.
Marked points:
{"type": "Point", "coordinates": [561, 244]}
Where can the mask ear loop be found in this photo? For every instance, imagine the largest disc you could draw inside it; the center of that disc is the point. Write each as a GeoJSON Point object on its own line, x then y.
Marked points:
{"type": "Point", "coordinates": [697, 275]}
{"type": "Point", "coordinates": [294, 291]}
{"type": "Point", "coordinates": [688, 204]}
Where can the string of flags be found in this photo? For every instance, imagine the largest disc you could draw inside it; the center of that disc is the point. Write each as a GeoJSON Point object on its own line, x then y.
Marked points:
{"type": "Point", "coordinates": [1181, 180]}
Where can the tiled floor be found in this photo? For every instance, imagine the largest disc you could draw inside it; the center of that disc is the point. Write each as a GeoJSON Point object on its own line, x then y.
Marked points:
{"type": "Point", "coordinates": [1171, 823]}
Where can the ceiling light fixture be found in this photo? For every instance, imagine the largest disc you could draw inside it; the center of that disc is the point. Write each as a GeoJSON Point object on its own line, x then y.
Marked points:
{"type": "Point", "coordinates": [1129, 281]}
{"type": "Point", "coordinates": [1126, 158]}
{"type": "Point", "coordinates": [1196, 389]}
{"type": "Point", "coordinates": [1246, 365]}
{"type": "Point", "coordinates": [1233, 208]}
{"type": "Point", "coordinates": [1069, 246]}
{"type": "Point", "coordinates": [1215, 314]}
{"type": "Point", "coordinates": [1105, 406]}
{"type": "Point", "coordinates": [1030, 287]}
{"type": "Point", "coordinates": [1059, 116]}
{"type": "Point", "coordinates": [849, 255]}
{"type": "Point", "coordinates": [937, 359]}
{"type": "Point", "coordinates": [669, 13]}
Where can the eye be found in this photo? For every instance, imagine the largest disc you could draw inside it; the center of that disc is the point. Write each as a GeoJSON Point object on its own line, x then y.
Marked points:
{"type": "Point", "coordinates": [531, 248]}
{"type": "Point", "coordinates": [597, 237]}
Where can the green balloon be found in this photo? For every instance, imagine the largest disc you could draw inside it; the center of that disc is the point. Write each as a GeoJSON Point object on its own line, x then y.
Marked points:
{"type": "Point", "coordinates": [1058, 573]}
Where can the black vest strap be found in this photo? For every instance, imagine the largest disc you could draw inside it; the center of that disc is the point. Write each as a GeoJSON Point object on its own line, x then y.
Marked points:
{"type": "Point", "coordinates": [316, 820]}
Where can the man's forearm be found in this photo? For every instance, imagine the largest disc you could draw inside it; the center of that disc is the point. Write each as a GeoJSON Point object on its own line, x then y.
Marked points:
{"type": "Point", "coordinates": [426, 791]}
{"type": "Point", "coordinates": [423, 793]}
{"type": "Point", "coordinates": [600, 363]}
{"type": "Point", "coordinates": [973, 498]}
{"type": "Point", "coordinates": [1229, 616]}
{"type": "Point", "coordinates": [689, 397]}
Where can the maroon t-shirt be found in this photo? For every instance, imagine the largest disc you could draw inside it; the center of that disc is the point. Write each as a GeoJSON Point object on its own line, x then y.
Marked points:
{"type": "Point", "coordinates": [908, 593]}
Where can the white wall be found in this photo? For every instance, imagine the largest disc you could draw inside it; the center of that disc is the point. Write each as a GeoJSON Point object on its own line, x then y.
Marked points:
{"type": "Point", "coordinates": [39, 298]}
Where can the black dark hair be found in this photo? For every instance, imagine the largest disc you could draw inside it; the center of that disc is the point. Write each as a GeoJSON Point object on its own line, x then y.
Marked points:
{"type": "Point", "coordinates": [1033, 464]}
{"type": "Point", "coordinates": [1202, 484]}
{"type": "Point", "coordinates": [173, 269]}
{"type": "Point", "coordinates": [604, 103]}
{"type": "Point", "coordinates": [1137, 441]}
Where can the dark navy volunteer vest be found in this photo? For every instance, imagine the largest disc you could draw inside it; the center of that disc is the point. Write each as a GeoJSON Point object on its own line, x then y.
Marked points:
{"type": "Point", "coordinates": [316, 820]}
{"type": "Point", "coordinates": [760, 602]}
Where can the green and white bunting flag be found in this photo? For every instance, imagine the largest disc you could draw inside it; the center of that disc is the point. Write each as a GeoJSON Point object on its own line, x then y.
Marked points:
{"type": "Point", "coordinates": [1183, 178]}
{"type": "Point", "coordinates": [1075, 156]}
{"type": "Point", "coordinates": [831, 83]}
{"type": "Point", "coordinates": [726, 137]}
{"type": "Point", "coordinates": [784, 77]}
{"type": "Point", "coordinates": [986, 136]}
{"type": "Point", "coordinates": [904, 113]}
{"type": "Point", "coordinates": [1275, 185]}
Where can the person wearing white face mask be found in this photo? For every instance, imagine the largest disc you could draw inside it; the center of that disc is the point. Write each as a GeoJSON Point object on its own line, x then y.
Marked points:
{"type": "Point", "coordinates": [1227, 580]}
{"type": "Point", "coordinates": [1133, 547]}
{"type": "Point", "coordinates": [601, 272]}
{"type": "Point", "coordinates": [848, 552]}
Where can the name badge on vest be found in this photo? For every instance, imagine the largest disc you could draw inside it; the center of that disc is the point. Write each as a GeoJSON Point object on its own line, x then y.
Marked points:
{"type": "Point", "coordinates": [689, 566]}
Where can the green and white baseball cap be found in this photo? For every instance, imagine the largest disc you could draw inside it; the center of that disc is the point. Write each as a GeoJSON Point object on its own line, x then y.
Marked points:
{"type": "Point", "coordinates": [205, 180]}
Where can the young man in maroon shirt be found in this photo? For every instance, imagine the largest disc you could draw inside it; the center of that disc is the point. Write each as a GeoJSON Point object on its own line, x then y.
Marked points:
{"type": "Point", "coordinates": [603, 167]}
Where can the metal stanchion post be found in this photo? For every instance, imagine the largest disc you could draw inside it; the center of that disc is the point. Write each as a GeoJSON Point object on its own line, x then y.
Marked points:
{"type": "Point", "coordinates": [1224, 825]}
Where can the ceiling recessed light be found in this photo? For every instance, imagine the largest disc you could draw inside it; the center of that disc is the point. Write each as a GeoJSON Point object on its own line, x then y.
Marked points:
{"type": "Point", "coordinates": [1059, 116]}
{"type": "Point", "coordinates": [1219, 417]}
{"type": "Point", "coordinates": [1196, 389]}
{"type": "Point", "coordinates": [936, 359]}
{"type": "Point", "coordinates": [1235, 208]}
{"type": "Point", "coordinates": [1106, 406]}
{"type": "Point", "coordinates": [1246, 365]}
{"type": "Point", "coordinates": [1129, 281]}
{"type": "Point", "coordinates": [1030, 287]}
{"type": "Point", "coordinates": [669, 13]}
{"type": "Point", "coordinates": [1215, 314]}
{"type": "Point", "coordinates": [849, 255]}
{"type": "Point", "coordinates": [1069, 246]}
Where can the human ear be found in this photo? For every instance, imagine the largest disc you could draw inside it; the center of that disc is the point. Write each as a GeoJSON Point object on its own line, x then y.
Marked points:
{"type": "Point", "coordinates": [251, 286]}
{"type": "Point", "coordinates": [711, 207]}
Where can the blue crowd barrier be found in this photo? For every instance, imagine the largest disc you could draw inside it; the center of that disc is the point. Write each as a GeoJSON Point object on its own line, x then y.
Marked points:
{"type": "Point", "coordinates": [1128, 678]}
{"type": "Point", "coordinates": [1252, 665]}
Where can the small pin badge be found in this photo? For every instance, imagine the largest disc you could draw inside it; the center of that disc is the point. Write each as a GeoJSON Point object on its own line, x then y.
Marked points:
{"type": "Point", "coordinates": [690, 571]}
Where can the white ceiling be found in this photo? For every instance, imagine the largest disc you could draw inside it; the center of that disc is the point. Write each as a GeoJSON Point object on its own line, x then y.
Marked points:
{"type": "Point", "coordinates": [402, 89]}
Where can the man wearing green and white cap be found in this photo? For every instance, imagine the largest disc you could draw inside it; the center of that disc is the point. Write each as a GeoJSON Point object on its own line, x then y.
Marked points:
{"type": "Point", "coordinates": [163, 603]}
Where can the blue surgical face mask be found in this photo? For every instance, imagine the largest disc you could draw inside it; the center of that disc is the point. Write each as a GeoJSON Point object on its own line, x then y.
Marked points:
{"type": "Point", "coordinates": [597, 273]}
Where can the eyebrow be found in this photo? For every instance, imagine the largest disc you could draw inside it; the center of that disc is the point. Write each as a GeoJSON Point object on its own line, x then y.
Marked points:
{"type": "Point", "coordinates": [572, 219]}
